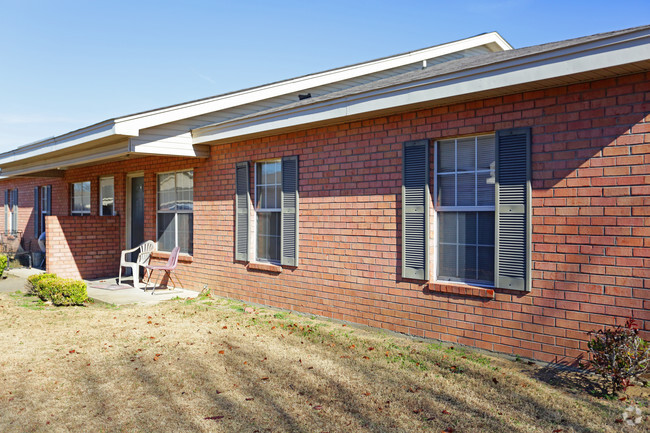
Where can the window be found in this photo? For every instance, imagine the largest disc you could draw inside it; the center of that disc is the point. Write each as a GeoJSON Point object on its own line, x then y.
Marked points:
{"type": "Point", "coordinates": [11, 211]}
{"type": "Point", "coordinates": [465, 204]}
{"type": "Point", "coordinates": [80, 198]}
{"type": "Point", "coordinates": [106, 196]}
{"type": "Point", "coordinates": [275, 226]}
{"type": "Point", "coordinates": [268, 185]}
{"type": "Point", "coordinates": [175, 220]}
{"type": "Point", "coordinates": [42, 207]}
{"type": "Point", "coordinates": [482, 193]}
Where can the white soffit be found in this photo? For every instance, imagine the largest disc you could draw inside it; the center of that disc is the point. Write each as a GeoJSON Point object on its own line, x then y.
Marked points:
{"type": "Point", "coordinates": [567, 61]}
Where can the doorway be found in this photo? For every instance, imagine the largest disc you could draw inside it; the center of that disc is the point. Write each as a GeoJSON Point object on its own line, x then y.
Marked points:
{"type": "Point", "coordinates": [135, 212]}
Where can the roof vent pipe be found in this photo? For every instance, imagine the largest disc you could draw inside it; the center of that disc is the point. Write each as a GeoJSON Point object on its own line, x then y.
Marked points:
{"type": "Point", "coordinates": [424, 63]}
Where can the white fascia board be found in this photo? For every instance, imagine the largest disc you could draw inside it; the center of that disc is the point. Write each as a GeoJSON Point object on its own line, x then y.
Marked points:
{"type": "Point", "coordinates": [131, 125]}
{"type": "Point", "coordinates": [71, 139]}
{"type": "Point", "coordinates": [84, 157]}
{"type": "Point", "coordinates": [568, 61]}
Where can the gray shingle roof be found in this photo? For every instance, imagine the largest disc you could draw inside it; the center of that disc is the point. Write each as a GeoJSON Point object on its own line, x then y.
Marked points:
{"type": "Point", "coordinates": [449, 67]}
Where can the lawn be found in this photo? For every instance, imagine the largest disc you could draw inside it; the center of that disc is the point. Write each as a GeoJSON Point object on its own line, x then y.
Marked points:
{"type": "Point", "coordinates": [218, 365]}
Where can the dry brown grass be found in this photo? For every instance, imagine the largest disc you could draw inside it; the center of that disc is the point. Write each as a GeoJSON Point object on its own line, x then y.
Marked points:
{"type": "Point", "coordinates": [207, 365]}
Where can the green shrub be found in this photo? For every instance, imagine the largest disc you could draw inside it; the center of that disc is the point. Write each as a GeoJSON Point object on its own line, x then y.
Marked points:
{"type": "Point", "coordinates": [59, 290]}
{"type": "Point", "coordinates": [3, 264]}
{"type": "Point", "coordinates": [67, 291]}
{"type": "Point", "coordinates": [37, 282]}
{"type": "Point", "coordinates": [619, 354]}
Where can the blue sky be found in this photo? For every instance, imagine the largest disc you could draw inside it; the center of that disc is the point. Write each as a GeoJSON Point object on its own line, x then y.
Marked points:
{"type": "Point", "coordinates": [68, 64]}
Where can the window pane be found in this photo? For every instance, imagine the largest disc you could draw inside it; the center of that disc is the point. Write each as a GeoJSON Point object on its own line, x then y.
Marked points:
{"type": "Point", "coordinates": [485, 153]}
{"type": "Point", "coordinates": [486, 263]}
{"type": "Point", "coordinates": [466, 154]}
{"type": "Point", "coordinates": [467, 262]}
{"type": "Point", "coordinates": [80, 200]}
{"type": "Point", "coordinates": [185, 232]}
{"type": "Point", "coordinates": [268, 236]}
{"type": "Point", "coordinates": [106, 191]}
{"type": "Point", "coordinates": [447, 261]}
{"type": "Point", "coordinates": [485, 193]}
{"type": "Point", "coordinates": [466, 190]}
{"type": "Point", "coordinates": [166, 232]}
{"type": "Point", "coordinates": [446, 190]}
{"type": "Point", "coordinates": [185, 190]}
{"type": "Point", "coordinates": [447, 229]}
{"type": "Point", "coordinates": [486, 228]}
{"type": "Point", "coordinates": [167, 191]}
{"type": "Point", "coordinates": [466, 227]}
{"type": "Point", "coordinates": [446, 156]}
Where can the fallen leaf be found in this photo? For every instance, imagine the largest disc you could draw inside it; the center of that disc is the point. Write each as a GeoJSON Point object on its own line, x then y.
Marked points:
{"type": "Point", "coordinates": [221, 352]}
{"type": "Point", "coordinates": [214, 418]}
{"type": "Point", "coordinates": [494, 379]}
{"type": "Point", "coordinates": [264, 378]}
{"type": "Point", "coordinates": [317, 407]}
{"type": "Point", "coordinates": [72, 351]}
{"type": "Point", "coordinates": [366, 393]}
{"type": "Point", "coordinates": [446, 412]}
{"type": "Point", "coordinates": [365, 357]}
{"type": "Point", "coordinates": [559, 430]}
{"type": "Point", "coordinates": [448, 429]}
{"type": "Point", "coordinates": [250, 399]}
{"type": "Point", "coordinates": [225, 327]}
{"type": "Point", "coordinates": [618, 420]}
{"type": "Point", "coordinates": [416, 411]}
{"type": "Point", "coordinates": [371, 348]}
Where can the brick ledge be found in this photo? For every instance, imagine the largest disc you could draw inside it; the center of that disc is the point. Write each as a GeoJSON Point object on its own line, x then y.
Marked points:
{"type": "Point", "coordinates": [266, 267]}
{"type": "Point", "coordinates": [182, 258]}
{"type": "Point", "coordinates": [461, 289]}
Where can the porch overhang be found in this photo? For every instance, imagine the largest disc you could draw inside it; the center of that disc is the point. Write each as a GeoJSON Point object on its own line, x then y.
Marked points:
{"type": "Point", "coordinates": [99, 143]}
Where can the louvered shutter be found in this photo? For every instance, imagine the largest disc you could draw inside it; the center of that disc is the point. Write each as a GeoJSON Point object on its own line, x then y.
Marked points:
{"type": "Point", "coordinates": [289, 224]}
{"type": "Point", "coordinates": [6, 211]}
{"type": "Point", "coordinates": [415, 210]}
{"type": "Point", "coordinates": [49, 203]}
{"type": "Point", "coordinates": [242, 211]}
{"type": "Point", "coordinates": [36, 212]}
{"type": "Point", "coordinates": [14, 214]}
{"type": "Point", "coordinates": [513, 209]}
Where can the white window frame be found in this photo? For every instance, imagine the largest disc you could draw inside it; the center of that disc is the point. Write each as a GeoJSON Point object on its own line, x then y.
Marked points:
{"type": "Point", "coordinates": [85, 212]}
{"type": "Point", "coordinates": [102, 180]}
{"type": "Point", "coordinates": [437, 208]}
{"type": "Point", "coordinates": [267, 210]}
{"type": "Point", "coordinates": [177, 211]}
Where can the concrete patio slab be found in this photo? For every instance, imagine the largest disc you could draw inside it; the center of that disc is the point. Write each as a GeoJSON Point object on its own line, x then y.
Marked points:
{"type": "Point", "coordinates": [104, 290]}
{"type": "Point", "coordinates": [108, 291]}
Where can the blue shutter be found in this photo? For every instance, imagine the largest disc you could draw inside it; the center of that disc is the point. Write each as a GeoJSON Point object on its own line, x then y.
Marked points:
{"type": "Point", "coordinates": [289, 224]}
{"type": "Point", "coordinates": [415, 210]}
{"type": "Point", "coordinates": [513, 209]}
{"type": "Point", "coordinates": [241, 211]}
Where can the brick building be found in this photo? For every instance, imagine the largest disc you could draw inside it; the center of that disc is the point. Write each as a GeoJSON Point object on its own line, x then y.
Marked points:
{"type": "Point", "coordinates": [468, 192]}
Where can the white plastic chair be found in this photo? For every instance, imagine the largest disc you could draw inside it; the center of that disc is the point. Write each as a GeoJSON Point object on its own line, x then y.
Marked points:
{"type": "Point", "coordinates": [146, 248]}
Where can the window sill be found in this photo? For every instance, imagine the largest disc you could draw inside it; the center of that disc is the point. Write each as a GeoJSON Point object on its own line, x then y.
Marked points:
{"type": "Point", "coordinates": [182, 258]}
{"type": "Point", "coordinates": [461, 289]}
{"type": "Point", "coordinates": [264, 267]}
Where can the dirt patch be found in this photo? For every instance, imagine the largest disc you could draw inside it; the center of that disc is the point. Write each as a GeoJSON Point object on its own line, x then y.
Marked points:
{"type": "Point", "coordinates": [209, 365]}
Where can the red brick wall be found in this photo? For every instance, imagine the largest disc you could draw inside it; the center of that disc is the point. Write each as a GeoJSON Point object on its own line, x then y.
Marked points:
{"type": "Point", "coordinates": [26, 205]}
{"type": "Point", "coordinates": [82, 246]}
{"type": "Point", "coordinates": [591, 204]}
